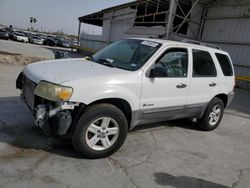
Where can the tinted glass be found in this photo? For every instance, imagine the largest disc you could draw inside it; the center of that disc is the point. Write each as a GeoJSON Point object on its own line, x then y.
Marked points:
{"type": "Point", "coordinates": [225, 64]}
{"type": "Point", "coordinates": [203, 65]}
{"type": "Point", "coordinates": [129, 54]}
{"type": "Point", "coordinates": [173, 63]}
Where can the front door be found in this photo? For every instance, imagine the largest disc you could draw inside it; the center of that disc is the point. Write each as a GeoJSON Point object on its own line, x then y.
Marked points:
{"type": "Point", "coordinates": [165, 87]}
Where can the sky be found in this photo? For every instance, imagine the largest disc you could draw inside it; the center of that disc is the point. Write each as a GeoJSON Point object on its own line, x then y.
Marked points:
{"type": "Point", "coordinates": [52, 15]}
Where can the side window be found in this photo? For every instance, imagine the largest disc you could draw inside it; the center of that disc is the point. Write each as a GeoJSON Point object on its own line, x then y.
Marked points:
{"type": "Point", "coordinates": [203, 65]}
{"type": "Point", "coordinates": [173, 63]}
{"type": "Point", "coordinates": [225, 64]}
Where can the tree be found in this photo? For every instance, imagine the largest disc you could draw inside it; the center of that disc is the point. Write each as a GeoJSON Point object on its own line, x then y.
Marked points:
{"type": "Point", "coordinates": [32, 20]}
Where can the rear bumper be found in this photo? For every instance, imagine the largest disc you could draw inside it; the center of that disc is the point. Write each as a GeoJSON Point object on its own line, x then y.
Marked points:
{"type": "Point", "coordinates": [230, 97]}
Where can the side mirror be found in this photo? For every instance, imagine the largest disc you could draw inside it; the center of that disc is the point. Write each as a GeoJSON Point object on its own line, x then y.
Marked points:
{"type": "Point", "coordinates": [158, 72]}
{"type": "Point", "coordinates": [151, 73]}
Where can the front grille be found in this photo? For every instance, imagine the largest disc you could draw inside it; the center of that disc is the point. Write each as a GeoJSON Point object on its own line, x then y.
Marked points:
{"type": "Point", "coordinates": [28, 92]}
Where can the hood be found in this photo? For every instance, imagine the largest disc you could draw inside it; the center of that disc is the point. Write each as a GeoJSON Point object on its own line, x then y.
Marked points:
{"type": "Point", "coordinates": [62, 70]}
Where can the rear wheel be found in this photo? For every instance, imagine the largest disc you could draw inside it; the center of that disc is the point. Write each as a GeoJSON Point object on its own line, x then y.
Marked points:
{"type": "Point", "coordinates": [101, 131]}
{"type": "Point", "coordinates": [212, 116]}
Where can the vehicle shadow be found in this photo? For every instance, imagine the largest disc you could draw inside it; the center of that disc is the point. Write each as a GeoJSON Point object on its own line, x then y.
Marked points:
{"type": "Point", "coordinates": [165, 179]}
{"type": "Point", "coordinates": [181, 123]}
{"type": "Point", "coordinates": [17, 128]}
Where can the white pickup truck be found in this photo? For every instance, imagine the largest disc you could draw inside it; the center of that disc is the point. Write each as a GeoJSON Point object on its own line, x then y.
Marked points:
{"type": "Point", "coordinates": [96, 100]}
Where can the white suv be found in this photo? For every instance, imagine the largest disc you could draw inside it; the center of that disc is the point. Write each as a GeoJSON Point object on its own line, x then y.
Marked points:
{"type": "Point", "coordinates": [96, 100]}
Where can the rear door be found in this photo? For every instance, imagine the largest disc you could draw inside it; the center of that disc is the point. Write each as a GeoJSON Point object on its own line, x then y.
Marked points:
{"type": "Point", "coordinates": [204, 81]}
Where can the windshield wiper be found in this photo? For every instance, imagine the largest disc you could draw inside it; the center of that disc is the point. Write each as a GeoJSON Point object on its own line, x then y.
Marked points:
{"type": "Point", "coordinates": [106, 62]}
{"type": "Point", "coordinates": [90, 58]}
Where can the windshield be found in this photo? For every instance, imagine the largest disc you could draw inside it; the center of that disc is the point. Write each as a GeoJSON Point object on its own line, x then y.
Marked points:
{"type": "Point", "coordinates": [20, 34]}
{"type": "Point", "coordinates": [129, 54]}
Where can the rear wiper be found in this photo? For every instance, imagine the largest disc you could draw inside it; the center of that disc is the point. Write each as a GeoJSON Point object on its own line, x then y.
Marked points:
{"type": "Point", "coordinates": [106, 62]}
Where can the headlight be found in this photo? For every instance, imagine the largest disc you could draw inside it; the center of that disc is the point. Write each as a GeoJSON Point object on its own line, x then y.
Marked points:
{"type": "Point", "coordinates": [53, 92]}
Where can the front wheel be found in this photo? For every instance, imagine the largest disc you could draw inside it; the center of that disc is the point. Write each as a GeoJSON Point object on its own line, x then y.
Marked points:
{"type": "Point", "coordinates": [212, 116]}
{"type": "Point", "coordinates": [101, 131]}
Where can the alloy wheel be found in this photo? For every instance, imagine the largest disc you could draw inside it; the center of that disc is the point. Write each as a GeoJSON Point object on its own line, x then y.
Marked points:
{"type": "Point", "coordinates": [102, 133]}
{"type": "Point", "coordinates": [214, 115]}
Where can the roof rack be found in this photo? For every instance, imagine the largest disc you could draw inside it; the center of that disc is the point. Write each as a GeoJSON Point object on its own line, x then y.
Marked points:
{"type": "Point", "coordinates": [201, 43]}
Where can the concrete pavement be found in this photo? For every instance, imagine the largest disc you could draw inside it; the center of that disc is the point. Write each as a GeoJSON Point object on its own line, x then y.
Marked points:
{"type": "Point", "coordinates": [168, 154]}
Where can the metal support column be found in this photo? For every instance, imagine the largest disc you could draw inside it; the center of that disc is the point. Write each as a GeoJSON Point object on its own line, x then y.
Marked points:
{"type": "Point", "coordinates": [110, 27]}
{"type": "Point", "coordinates": [79, 32]}
{"type": "Point", "coordinates": [202, 23]}
{"type": "Point", "coordinates": [172, 8]}
{"type": "Point", "coordinates": [186, 17]}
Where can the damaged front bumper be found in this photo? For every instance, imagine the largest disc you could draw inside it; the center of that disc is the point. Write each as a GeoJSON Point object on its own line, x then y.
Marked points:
{"type": "Point", "coordinates": [51, 116]}
{"type": "Point", "coordinates": [54, 119]}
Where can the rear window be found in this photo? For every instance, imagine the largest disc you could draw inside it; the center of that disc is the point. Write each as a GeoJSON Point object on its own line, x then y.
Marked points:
{"type": "Point", "coordinates": [225, 64]}
{"type": "Point", "coordinates": [203, 65]}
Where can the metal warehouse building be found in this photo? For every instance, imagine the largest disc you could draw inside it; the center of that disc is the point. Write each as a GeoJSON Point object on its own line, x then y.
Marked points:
{"type": "Point", "coordinates": [222, 22]}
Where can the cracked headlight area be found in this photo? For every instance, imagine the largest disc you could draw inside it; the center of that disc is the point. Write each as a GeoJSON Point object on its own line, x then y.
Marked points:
{"type": "Point", "coordinates": [53, 92]}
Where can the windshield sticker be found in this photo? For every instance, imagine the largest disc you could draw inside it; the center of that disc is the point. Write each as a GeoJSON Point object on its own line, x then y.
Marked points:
{"type": "Point", "coordinates": [133, 65]}
{"type": "Point", "coordinates": [148, 43]}
{"type": "Point", "coordinates": [110, 60]}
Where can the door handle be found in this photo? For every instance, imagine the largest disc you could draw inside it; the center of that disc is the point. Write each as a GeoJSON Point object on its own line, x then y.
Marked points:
{"type": "Point", "coordinates": [212, 84]}
{"type": "Point", "coordinates": [180, 86]}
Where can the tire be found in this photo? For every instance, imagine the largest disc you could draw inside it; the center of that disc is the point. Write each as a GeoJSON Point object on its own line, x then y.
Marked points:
{"type": "Point", "coordinates": [90, 136]}
{"type": "Point", "coordinates": [212, 116]}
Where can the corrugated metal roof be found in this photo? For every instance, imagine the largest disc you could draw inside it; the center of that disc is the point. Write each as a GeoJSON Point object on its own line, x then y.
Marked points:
{"type": "Point", "coordinates": [96, 18]}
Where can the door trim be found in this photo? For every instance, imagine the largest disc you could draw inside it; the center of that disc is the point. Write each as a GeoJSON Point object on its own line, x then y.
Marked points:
{"type": "Point", "coordinates": [153, 115]}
